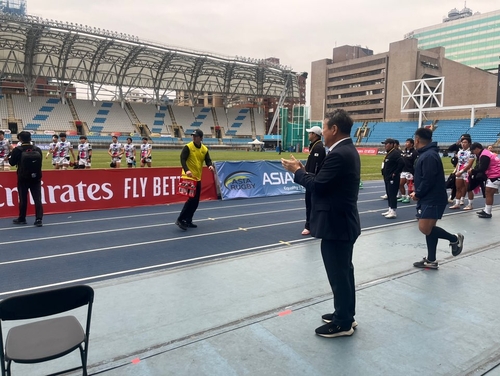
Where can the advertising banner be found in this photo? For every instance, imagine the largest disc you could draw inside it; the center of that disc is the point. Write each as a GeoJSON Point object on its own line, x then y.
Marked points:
{"type": "Point", "coordinates": [80, 190]}
{"type": "Point", "coordinates": [255, 179]}
{"type": "Point", "coordinates": [367, 151]}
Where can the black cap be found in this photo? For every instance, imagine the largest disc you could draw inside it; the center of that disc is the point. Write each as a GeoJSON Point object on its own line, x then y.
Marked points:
{"type": "Point", "coordinates": [389, 141]}
{"type": "Point", "coordinates": [198, 133]}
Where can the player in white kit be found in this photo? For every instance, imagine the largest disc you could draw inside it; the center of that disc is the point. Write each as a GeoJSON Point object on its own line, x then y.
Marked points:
{"type": "Point", "coordinates": [5, 148]}
{"type": "Point", "coordinates": [146, 150]}
{"type": "Point", "coordinates": [53, 151]}
{"type": "Point", "coordinates": [115, 151]}
{"type": "Point", "coordinates": [130, 152]}
{"type": "Point", "coordinates": [84, 153]}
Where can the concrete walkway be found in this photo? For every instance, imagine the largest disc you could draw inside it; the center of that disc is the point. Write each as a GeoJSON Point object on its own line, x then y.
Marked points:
{"type": "Point", "coordinates": [256, 314]}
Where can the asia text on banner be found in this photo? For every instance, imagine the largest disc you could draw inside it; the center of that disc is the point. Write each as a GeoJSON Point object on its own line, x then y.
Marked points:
{"type": "Point", "coordinates": [255, 179]}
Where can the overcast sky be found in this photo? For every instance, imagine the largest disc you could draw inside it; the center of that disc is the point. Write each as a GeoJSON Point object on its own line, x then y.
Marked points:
{"type": "Point", "coordinates": [297, 32]}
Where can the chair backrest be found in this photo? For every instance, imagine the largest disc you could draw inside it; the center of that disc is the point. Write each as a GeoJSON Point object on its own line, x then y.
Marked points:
{"type": "Point", "coordinates": [45, 303]}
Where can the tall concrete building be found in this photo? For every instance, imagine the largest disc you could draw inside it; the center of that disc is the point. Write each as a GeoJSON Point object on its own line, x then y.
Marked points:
{"type": "Point", "coordinates": [370, 86]}
{"type": "Point", "coordinates": [470, 39]}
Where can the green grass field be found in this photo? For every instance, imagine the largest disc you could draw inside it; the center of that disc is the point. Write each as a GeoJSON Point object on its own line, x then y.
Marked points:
{"type": "Point", "coordinates": [370, 165]}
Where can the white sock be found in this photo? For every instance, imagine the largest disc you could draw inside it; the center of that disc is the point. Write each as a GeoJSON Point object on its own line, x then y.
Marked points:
{"type": "Point", "coordinates": [470, 201]}
{"type": "Point", "coordinates": [487, 209]}
{"type": "Point", "coordinates": [457, 201]}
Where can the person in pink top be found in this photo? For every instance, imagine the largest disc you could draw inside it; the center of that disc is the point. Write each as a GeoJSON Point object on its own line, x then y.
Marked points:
{"type": "Point", "coordinates": [488, 164]}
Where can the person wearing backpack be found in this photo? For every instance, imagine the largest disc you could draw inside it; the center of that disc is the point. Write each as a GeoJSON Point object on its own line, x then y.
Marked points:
{"type": "Point", "coordinates": [28, 159]}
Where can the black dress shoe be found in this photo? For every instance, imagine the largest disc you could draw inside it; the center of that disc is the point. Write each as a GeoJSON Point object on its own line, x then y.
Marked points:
{"type": "Point", "coordinates": [18, 221]}
{"type": "Point", "coordinates": [182, 225]}
{"type": "Point", "coordinates": [38, 223]}
{"type": "Point", "coordinates": [191, 225]}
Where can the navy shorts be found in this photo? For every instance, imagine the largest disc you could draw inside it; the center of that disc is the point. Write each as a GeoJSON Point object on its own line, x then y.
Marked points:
{"type": "Point", "coordinates": [430, 211]}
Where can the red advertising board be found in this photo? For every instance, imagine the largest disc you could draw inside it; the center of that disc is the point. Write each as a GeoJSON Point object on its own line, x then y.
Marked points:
{"type": "Point", "coordinates": [367, 151]}
{"type": "Point", "coordinates": [80, 190]}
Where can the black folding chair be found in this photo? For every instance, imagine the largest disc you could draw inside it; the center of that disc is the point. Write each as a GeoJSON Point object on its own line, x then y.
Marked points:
{"type": "Point", "coordinates": [50, 338]}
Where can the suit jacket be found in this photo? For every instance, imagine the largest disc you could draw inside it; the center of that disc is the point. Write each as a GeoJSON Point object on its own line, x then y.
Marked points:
{"type": "Point", "coordinates": [334, 189]}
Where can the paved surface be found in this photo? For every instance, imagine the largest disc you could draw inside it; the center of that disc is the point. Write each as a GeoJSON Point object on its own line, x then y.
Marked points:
{"type": "Point", "coordinates": [253, 312]}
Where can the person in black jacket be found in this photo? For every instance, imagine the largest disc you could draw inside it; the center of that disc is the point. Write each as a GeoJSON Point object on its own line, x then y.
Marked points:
{"type": "Point", "coordinates": [32, 183]}
{"type": "Point", "coordinates": [335, 217]}
{"type": "Point", "coordinates": [430, 194]}
{"type": "Point", "coordinates": [409, 155]}
{"type": "Point", "coordinates": [391, 170]}
{"type": "Point", "coordinates": [315, 159]}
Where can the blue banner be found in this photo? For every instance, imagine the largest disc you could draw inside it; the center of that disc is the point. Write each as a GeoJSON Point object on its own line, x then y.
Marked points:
{"type": "Point", "coordinates": [255, 179]}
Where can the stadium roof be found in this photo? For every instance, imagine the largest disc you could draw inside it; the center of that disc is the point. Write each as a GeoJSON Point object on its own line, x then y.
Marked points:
{"type": "Point", "coordinates": [32, 47]}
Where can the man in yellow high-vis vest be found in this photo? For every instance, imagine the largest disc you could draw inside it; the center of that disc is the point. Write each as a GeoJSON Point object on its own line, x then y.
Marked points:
{"type": "Point", "coordinates": [192, 157]}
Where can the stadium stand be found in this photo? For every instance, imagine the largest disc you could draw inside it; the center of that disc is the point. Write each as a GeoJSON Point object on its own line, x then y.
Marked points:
{"type": "Point", "coordinates": [184, 118]}
{"type": "Point", "coordinates": [486, 131]}
{"type": "Point", "coordinates": [204, 120]}
{"type": "Point", "coordinates": [108, 115]}
{"type": "Point", "coordinates": [239, 123]}
{"type": "Point", "coordinates": [4, 112]}
{"type": "Point", "coordinates": [448, 131]}
{"type": "Point", "coordinates": [397, 130]}
{"type": "Point", "coordinates": [42, 113]}
{"type": "Point", "coordinates": [157, 118]}
{"type": "Point", "coordinates": [260, 126]}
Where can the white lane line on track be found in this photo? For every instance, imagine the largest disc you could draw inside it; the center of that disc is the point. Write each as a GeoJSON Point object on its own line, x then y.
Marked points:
{"type": "Point", "coordinates": [78, 222]}
{"type": "Point", "coordinates": [27, 240]}
{"type": "Point", "coordinates": [143, 243]}
{"type": "Point", "coordinates": [151, 267]}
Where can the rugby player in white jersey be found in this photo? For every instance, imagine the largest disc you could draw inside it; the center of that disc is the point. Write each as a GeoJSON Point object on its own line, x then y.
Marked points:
{"type": "Point", "coordinates": [53, 151]}
{"type": "Point", "coordinates": [115, 151]}
{"type": "Point", "coordinates": [146, 150]}
{"type": "Point", "coordinates": [84, 153]}
{"type": "Point", "coordinates": [130, 153]}
{"type": "Point", "coordinates": [5, 148]}
{"type": "Point", "coordinates": [64, 152]}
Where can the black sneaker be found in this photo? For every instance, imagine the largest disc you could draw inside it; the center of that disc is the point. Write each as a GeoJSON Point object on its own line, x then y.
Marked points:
{"type": "Point", "coordinates": [182, 225]}
{"type": "Point", "coordinates": [484, 215]}
{"type": "Point", "coordinates": [328, 317]}
{"type": "Point", "coordinates": [426, 264]}
{"type": "Point", "coordinates": [38, 223]}
{"type": "Point", "coordinates": [333, 330]}
{"type": "Point", "coordinates": [18, 221]}
{"type": "Point", "coordinates": [480, 211]}
{"type": "Point", "coordinates": [456, 248]}
{"type": "Point", "coordinates": [191, 225]}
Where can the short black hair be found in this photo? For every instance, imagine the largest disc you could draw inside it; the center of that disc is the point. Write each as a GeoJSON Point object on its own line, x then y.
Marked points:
{"type": "Point", "coordinates": [24, 136]}
{"type": "Point", "coordinates": [410, 140]}
{"type": "Point", "coordinates": [54, 135]}
{"type": "Point", "coordinates": [424, 134]}
{"type": "Point", "coordinates": [83, 137]}
{"type": "Point", "coordinates": [341, 119]}
{"type": "Point", "coordinates": [476, 145]}
{"type": "Point", "coordinates": [2, 132]}
{"type": "Point", "coordinates": [144, 138]}
{"type": "Point", "coordinates": [129, 138]}
{"type": "Point", "coordinates": [62, 134]}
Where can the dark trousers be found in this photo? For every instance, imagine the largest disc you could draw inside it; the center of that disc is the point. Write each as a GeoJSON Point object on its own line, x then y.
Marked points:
{"type": "Point", "coordinates": [308, 209]}
{"type": "Point", "coordinates": [35, 187]}
{"type": "Point", "coordinates": [337, 258]}
{"type": "Point", "coordinates": [191, 205]}
{"type": "Point", "coordinates": [392, 192]}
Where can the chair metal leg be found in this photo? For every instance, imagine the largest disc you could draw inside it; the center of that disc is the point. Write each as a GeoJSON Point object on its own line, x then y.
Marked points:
{"type": "Point", "coordinates": [83, 355]}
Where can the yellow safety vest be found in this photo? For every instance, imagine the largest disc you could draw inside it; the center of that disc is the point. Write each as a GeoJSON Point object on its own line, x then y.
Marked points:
{"type": "Point", "coordinates": [195, 161]}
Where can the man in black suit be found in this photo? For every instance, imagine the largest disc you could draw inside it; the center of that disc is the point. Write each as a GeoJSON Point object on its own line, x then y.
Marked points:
{"type": "Point", "coordinates": [335, 218]}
